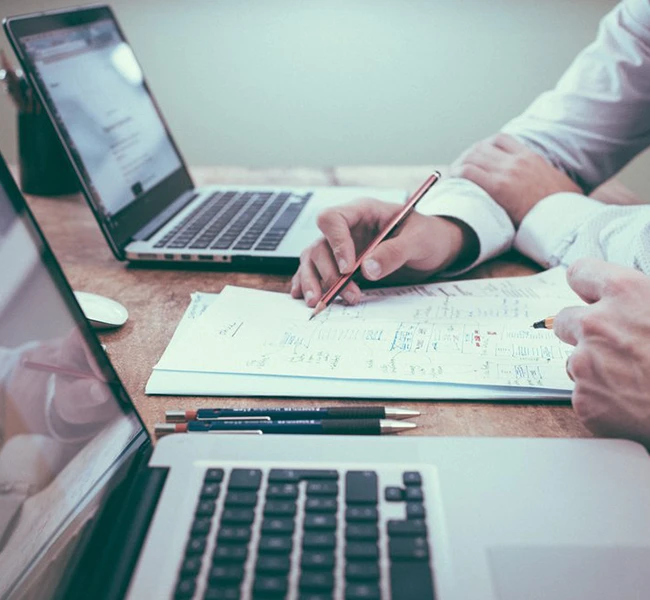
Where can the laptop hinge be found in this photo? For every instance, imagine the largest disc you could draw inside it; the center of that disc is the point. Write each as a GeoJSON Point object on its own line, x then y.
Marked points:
{"type": "Point", "coordinates": [110, 553]}
{"type": "Point", "coordinates": [164, 217]}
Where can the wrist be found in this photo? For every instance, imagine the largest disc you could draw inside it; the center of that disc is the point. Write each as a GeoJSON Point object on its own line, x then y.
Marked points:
{"type": "Point", "coordinates": [461, 243]}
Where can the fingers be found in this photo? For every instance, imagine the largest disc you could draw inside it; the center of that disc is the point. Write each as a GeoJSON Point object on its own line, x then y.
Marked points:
{"type": "Point", "coordinates": [507, 143]}
{"type": "Point", "coordinates": [567, 324]}
{"type": "Point", "coordinates": [336, 225]}
{"type": "Point", "coordinates": [592, 278]}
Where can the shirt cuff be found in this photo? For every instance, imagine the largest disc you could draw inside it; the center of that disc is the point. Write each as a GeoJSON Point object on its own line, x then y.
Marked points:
{"type": "Point", "coordinates": [464, 200]}
{"type": "Point", "coordinates": [551, 226]}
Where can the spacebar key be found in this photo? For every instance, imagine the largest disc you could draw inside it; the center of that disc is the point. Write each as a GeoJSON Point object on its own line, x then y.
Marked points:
{"type": "Point", "coordinates": [411, 580]}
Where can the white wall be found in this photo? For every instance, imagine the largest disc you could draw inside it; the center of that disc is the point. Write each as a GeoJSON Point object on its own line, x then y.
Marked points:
{"type": "Point", "coordinates": [300, 82]}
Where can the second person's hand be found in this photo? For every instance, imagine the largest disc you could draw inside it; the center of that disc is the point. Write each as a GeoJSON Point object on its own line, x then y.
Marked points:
{"type": "Point", "coordinates": [422, 246]}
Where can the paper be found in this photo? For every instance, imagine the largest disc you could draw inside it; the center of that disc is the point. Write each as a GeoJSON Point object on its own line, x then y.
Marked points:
{"type": "Point", "coordinates": [466, 339]}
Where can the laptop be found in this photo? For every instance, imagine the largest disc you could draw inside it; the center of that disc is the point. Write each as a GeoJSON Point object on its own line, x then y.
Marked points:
{"type": "Point", "coordinates": [89, 508]}
{"type": "Point", "coordinates": [132, 173]}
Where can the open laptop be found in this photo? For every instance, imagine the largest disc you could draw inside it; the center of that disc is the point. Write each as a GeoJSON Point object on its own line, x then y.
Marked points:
{"type": "Point", "coordinates": [88, 509]}
{"type": "Point", "coordinates": [131, 171]}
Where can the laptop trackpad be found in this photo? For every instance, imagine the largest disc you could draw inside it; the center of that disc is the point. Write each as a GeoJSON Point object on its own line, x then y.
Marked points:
{"type": "Point", "coordinates": [569, 573]}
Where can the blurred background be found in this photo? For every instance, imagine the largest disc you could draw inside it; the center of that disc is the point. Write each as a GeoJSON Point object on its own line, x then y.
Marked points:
{"type": "Point", "coordinates": [343, 82]}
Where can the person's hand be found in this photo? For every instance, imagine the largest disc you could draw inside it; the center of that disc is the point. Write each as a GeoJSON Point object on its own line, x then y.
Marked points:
{"type": "Point", "coordinates": [419, 248]}
{"type": "Point", "coordinates": [76, 401]}
{"type": "Point", "coordinates": [513, 175]}
{"type": "Point", "coordinates": [611, 361]}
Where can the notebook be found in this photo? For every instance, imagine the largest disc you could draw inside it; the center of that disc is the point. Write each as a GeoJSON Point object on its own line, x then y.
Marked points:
{"type": "Point", "coordinates": [130, 169]}
{"type": "Point", "coordinates": [90, 509]}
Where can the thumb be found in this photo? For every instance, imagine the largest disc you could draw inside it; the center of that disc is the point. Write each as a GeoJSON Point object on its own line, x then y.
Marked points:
{"type": "Point", "coordinates": [389, 256]}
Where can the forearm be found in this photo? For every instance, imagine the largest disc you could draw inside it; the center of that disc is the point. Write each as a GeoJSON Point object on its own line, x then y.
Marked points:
{"type": "Point", "coordinates": [467, 203]}
{"type": "Point", "coordinates": [596, 118]}
{"type": "Point", "coordinates": [565, 227]}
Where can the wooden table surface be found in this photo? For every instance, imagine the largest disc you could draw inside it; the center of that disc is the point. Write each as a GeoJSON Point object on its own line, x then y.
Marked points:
{"type": "Point", "coordinates": [157, 298]}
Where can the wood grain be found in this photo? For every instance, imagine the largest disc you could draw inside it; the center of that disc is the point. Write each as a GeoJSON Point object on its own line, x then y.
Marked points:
{"type": "Point", "coordinates": [157, 298]}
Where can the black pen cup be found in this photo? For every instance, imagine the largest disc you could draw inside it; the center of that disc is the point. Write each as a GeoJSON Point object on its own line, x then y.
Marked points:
{"type": "Point", "coordinates": [45, 168]}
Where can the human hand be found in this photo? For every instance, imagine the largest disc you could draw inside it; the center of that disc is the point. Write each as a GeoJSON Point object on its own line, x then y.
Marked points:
{"type": "Point", "coordinates": [75, 401]}
{"type": "Point", "coordinates": [513, 175]}
{"type": "Point", "coordinates": [611, 361]}
{"type": "Point", "coordinates": [421, 246]}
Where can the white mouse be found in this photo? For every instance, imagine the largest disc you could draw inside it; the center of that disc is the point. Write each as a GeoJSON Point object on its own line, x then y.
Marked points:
{"type": "Point", "coordinates": [102, 312]}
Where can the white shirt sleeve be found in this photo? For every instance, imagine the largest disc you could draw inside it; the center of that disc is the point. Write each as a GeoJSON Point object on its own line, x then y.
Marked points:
{"type": "Point", "coordinates": [597, 117]}
{"type": "Point", "coordinates": [464, 200]}
{"type": "Point", "coordinates": [574, 226]}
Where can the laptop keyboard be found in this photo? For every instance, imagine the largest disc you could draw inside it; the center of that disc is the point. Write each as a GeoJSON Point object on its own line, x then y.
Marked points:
{"type": "Point", "coordinates": [307, 534]}
{"type": "Point", "coordinates": [237, 220]}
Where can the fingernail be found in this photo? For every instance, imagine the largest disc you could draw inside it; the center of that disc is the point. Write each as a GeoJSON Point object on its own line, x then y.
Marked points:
{"type": "Point", "coordinates": [348, 296]}
{"type": "Point", "coordinates": [343, 265]}
{"type": "Point", "coordinates": [372, 268]}
{"type": "Point", "coordinates": [309, 295]}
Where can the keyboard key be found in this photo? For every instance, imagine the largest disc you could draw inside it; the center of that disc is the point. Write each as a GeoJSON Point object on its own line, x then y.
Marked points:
{"type": "Point", "coordinates": [412, 478]}
{"type": "Point", "coordinates": [282, 491]}
{"type": "Point", "coordinates": [280, 508]}
{"type": "Point", "coordinates": [222, 593]}
{"type": "Point", "coordinates": [273, 564]}
{"type": "Point", "coordinates": [315, 559]}
{"type": "Point", "coordinates": [238, 515]}
{"type": "Point", "coordinates": [413, 494]}
{"type": "Point", "coordinates": [411, 580]}
{"type": "Point", "coordinates": [316, 580]}
{"type": "Point", "coordinates": [227, 553]}
{"type": "Point", "coordinates": [277, 526]}
{"type": "Point", "coordinates": [361, 531]}
{"type": "Point", "coordinates": [320, 474]}
{"type": "Point", "coordinates": [226, 573]}
{"type": "Point", "coordinates": [394, 494]}
{"type": "Point", "coordinates": [361, 487]}
{"type": "Point", "coordinates": [284, 476]}
{"type": "Point", "coordinates": [318, 540]}
{"type": "Point", "coordinates": [269, 587]}
{"type": "Point", "coordinates": [213, 476]}
{"type": "Point", "coordinates": [205, 508]}
{"type": "Point", "coordinates": [361, 570]}
{"type": "Point", "coordinates": [233, 534]}
{"type": "Point", "coordinates": [412, 527]}
{"type": "Point", "coordinates": [210, 491]}
{"type": "Point", "coordinates": [275, 544]}
{"type": "Point", "coordinates": [245, 479]}
{"type": "Point", "coordinates": [364, 591]}
{"type": "Point", "coordinates": [415, 510]}
{"type": "Point", "coordinates": [361, 514]}
{"type": "Point", "coordinates": [191, 566]}
{"type": "Point", "coordinates": [185, 588]}
{"type": "Point", "coordinates": [408, 548]}
{"type": "Point", "coordinates": [321, 504]}
{"type": "Point", "coordinates": [201, 527]}
{"type": "Point", "coordinates": [361, 551]}
{"type": "Point", "coordinates": [322, 488]}
{"type": "Point", "coordinates": [241, 499]}
{"type": "Point", "coordinates": [196, 545]}
{"type": "Point", "coordinates": [319, 522]}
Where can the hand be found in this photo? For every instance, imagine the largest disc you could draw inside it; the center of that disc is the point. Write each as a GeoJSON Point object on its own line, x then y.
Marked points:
{"type": "Point", "coordinates": [611, 361]}
{"type": "Point", "coordinates": [513, 175]}
{"type": "Point", "coordinates": [76, 401]}
{"type": "Point", "coordinates": [420, 247]}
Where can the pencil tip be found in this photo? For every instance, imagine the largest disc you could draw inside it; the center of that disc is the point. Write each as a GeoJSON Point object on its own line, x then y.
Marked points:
{"type": "Point", "coordinates": [538, 325]}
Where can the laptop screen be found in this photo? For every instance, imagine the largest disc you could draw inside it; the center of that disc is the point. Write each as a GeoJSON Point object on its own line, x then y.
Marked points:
{"type": "Point", "coordinates": [118, 135]}
{"type": "Point", "coordinates": [95, 91]}
{"type": "Point", "coordinates": [66, 423]}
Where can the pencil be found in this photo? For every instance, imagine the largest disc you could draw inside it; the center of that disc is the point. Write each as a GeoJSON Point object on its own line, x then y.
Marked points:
{"type": "Point", "coordinates": [67, 371]}
{"type": "Point", "coordinates": [546, 323]}
{"type": "Point", "coordinates": [391, 226]}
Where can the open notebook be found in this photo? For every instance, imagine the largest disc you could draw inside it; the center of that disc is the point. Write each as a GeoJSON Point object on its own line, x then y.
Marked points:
{"type": "Point", "coordinates": [457, 340]}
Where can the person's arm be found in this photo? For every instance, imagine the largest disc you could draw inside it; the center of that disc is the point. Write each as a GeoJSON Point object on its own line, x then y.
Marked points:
{"type": "Point", "coordinates": [565, 227]}
{"type": "Point", "coordinates": [597, 117]}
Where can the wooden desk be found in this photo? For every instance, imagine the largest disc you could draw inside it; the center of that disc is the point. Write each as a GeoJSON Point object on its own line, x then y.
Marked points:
{"type": "Point", "coordinates": [157, 298]}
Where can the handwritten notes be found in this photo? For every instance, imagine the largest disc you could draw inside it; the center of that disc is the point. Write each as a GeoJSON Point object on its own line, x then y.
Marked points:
{"type": "Point", "coordinates": [475, 333]}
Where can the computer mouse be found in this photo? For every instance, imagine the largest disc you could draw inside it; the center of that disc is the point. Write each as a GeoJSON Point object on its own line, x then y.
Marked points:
{"type": "Point", "coordinates": [102, 312]}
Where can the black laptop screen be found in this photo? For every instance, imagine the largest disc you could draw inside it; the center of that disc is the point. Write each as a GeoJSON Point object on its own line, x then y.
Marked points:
{"type": "Point", "coordinates": [65, 420]}
{"type": "Point", "coordinates": [96, 85]}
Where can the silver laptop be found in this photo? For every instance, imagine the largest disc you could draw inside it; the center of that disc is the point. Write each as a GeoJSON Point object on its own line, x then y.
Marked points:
{"type": "Point", "coordinates": [88, 509]}
{"type": "Point", "coordinates": [131, 171]}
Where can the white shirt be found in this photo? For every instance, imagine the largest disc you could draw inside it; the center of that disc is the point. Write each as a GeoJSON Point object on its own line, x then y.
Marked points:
{"type": "Point", "coordinates": [593, 123]}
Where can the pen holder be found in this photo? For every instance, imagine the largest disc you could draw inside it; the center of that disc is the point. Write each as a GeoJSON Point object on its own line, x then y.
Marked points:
{"type": "Point", "coordinates": [45, 169]}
